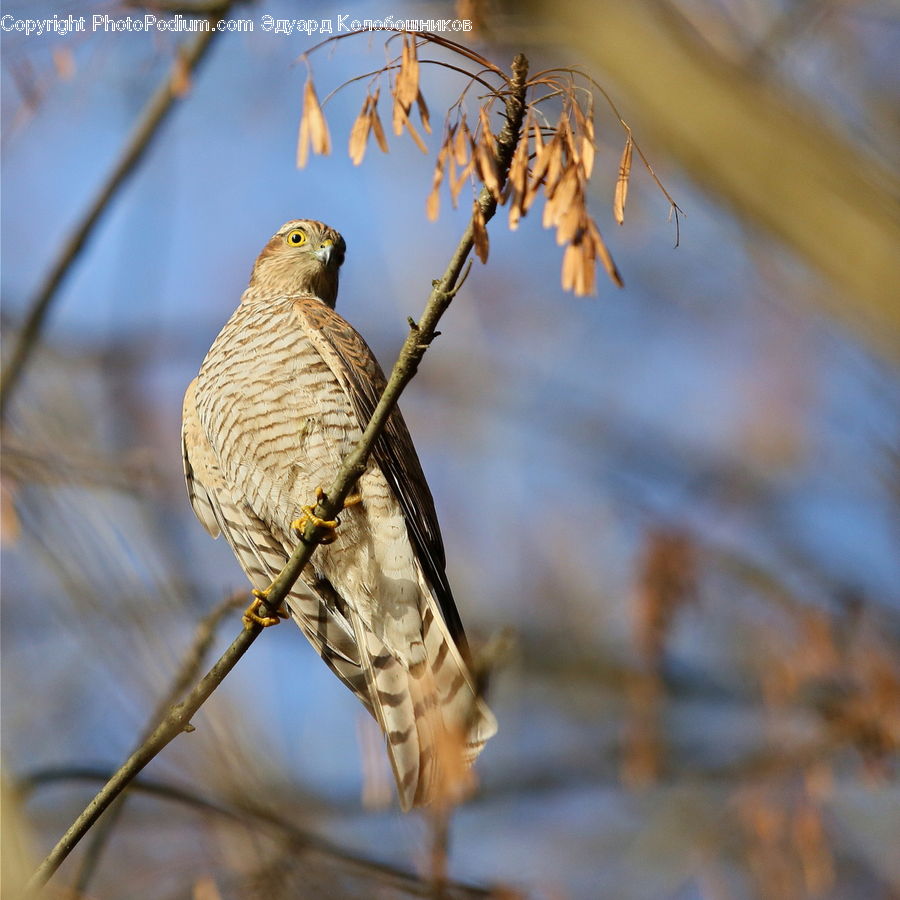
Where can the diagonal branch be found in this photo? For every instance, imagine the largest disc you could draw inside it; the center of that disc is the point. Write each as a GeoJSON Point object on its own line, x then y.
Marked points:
{"type": "Point", "coordinates": [152, 117]}
{"type": "Point", "coordinates": [421, 334]}
{"type": "Point", "coordinates": [298, 839]}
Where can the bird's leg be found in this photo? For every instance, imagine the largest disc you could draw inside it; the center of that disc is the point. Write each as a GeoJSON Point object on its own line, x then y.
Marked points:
{"type": "Point", "coordinates": [251, 613]}
{"type": "Point", "coordinates": [349, 500]}
{"type": "Point", "coordinates": [308, 516]}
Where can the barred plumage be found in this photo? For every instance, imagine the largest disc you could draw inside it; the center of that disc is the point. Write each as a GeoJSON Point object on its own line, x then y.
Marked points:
{"type": "Point", "coordinates": [281, 398]}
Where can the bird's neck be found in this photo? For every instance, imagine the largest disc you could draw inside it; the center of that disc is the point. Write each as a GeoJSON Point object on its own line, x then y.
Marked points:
{"type": "Point", "coordinates": [322, 285]}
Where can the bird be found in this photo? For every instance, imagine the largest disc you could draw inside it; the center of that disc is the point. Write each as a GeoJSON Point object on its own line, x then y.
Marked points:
{"type": "Point", "coordinates": [281, 398]}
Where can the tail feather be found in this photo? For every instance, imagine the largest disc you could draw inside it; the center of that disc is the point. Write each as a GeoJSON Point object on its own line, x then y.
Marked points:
{"type": "Point", "coordinates": [433, 722]}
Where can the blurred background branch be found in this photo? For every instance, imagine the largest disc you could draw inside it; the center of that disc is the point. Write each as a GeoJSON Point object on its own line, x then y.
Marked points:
{"type": "Point", "coordinates": [294, 839]}
{"type": "Point", "coordinates": [173, 87]}
{"type": "Point", "coordinates": [189, 671]}
{"type": "Point", "coordinates": [751, 143]}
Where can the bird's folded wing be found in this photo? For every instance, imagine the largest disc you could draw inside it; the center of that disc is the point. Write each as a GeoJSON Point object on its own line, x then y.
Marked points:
{"type": "Point", "coordinates": [354, 365]}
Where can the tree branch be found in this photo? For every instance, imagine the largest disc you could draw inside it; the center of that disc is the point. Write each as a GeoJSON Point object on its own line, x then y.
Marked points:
{"type": "Point", "coordinates": [152, 117]}
{"type": "Point", "coordinates": [417, 342]}
{"type": "Point", "coordinates": [298, 838]}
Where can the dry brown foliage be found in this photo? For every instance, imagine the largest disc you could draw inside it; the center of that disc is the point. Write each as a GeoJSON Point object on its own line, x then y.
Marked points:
{"type": "Point", "coordinates": [667, 576]}
{"type": "Point", "coordinates": [554, 156]}
{"type": "Point", "coordinates": [313, 127]}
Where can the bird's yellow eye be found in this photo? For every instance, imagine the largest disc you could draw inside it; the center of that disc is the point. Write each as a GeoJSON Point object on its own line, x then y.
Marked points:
{"type": "Point", "coordinates": [296, 237]}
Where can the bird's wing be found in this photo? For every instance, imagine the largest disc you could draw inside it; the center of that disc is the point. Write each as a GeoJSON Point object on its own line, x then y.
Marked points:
{"type": "Point", "coordinates": [355, 366]}
{"type": "Point", "coordinates": [200, 466]}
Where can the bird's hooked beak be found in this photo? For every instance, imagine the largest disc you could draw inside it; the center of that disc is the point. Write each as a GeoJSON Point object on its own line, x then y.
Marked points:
{"type": "Point", "coordinates": [325, 252]}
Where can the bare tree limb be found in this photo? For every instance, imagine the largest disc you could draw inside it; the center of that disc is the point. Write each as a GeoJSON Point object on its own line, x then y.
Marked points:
{"type": "Point", "coordinates": [298, 838]}
{"type": "Point", "coordinates": [152, 117]}
{"type": "Point", "coordinates": [417, 342]}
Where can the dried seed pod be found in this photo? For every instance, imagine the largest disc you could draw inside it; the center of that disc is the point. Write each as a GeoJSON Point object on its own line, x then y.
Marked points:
{"type": "Point", "coordinates": [313, 127]}
{"type": "Point", "coordinates": [359, 133]}
{"type": "Point", "coordinates": [479, 232]}
{"type": "Point", "coordinates": [621, 193]}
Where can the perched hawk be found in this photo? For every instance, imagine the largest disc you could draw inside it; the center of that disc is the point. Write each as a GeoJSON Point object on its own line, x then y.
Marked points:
{"type": "Point", "coordinates": [282, 397]}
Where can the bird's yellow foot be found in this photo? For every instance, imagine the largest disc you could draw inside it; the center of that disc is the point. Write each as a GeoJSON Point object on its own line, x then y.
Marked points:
{"type": "Point", "coordinates": [350, 500]}
{"type": "Point", "coordinates": [251, 613]}
{"type": "Point", "coordinates": [308, 516]}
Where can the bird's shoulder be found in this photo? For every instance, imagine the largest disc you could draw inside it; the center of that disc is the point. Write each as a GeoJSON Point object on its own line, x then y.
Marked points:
{"type": "Point", "coordinates": [341, 346]}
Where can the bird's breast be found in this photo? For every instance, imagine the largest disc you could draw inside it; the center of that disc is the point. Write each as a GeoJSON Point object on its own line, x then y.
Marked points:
{"type": "Point", "coordinates": [278, 418]}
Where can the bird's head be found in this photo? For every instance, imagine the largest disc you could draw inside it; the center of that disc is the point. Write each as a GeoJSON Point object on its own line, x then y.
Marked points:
{"type": "Point", "coordinates": [302, 257]}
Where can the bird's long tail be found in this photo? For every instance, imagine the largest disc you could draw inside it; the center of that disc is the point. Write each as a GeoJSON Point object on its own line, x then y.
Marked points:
{"type": "Point", "coordinates": [434, 722]}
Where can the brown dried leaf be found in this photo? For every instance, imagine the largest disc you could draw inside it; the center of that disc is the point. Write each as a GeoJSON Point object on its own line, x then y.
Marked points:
{"type": "Point", "coordinates": [462, 143]}
{"type": "Point", "coordinates": [313, 127]}
{"type": "Point", "coordinates": [408, 81]}
{"type": "Point", "coordinates": [479, 232]}
{"type": "Point", "coordinates": [571, 222]}
{"type": "Point", "coordinates": [586, 272]}
{"type": "Point", "coordinates": [64, 62]}
{"type": "Point", "coordinates": [587, 155]}
{"type": "Point", "coordinates": [567, 140]}
{"type": "Point", "coordinates": [518, 167]}
{"type": "Point", "coordinates": [432, 204]}
{"type": "Point", "coordinates": [541, 164]}
{"type": "Point", "coordinates": [533, 185]}
{"type": "Point", "coordinates": [564, 197]}
{"type": "Point", "coordinates": [584, 138]}
{"type": "Point", "coordinates": [487, 135]}
{"type": "Point", "coordinates": [601, 251]}
{"type": "Point", "coordinates": [180, 83]}
{"type": "Point", "coordinates": [587, 143]}
{"type": "Point", "coordinates": [549, 166]}
{"type": "Point", "coordinates": [486, 166]}
{"type": "Point", "coordinates": [359, 133]}
{"type": "Point", "coordinates": [570, 265]}
{"type": "Point", "coordinates": [621, 193]}
{"type": "Point", "coordinates": [377, 127]}
{"type": "Point", "coordinates": [406, 88]}
{"type": "Point", "coordinates": [398, 116]}
{"type": "Point", "coordinates": [559, 202]}
{"type": "Point", "coordinates": [538, 139]}
{"type": "Point", "coordinates": [548, 219]}
{"type": "Point", "coordinates": [515, 214]}
{"type": "Point", "coordinates": [414, 134]}
{"type": "Point", "coordinates": [457, 185]}
{"type": "Point", "coordinates": [423, 112]}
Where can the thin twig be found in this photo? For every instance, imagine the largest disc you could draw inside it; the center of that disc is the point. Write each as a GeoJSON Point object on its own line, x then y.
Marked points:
{"type": "Point", "coordinates": [417, 342]}
{"type": "Point", "coordinates": [439, 824]}
{"type": "Point", "coordinates": [153, 115]}
{"type": "Point", "coordinates": [188, 672]}
{"type": "Point", "coordinates": [297, 837]}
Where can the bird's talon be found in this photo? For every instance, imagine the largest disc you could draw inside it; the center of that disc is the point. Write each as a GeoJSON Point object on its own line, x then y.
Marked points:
{"type": "Point", "coordinates": [251, 613]}
{"type": "Point", "coordinates": [309, 517]}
